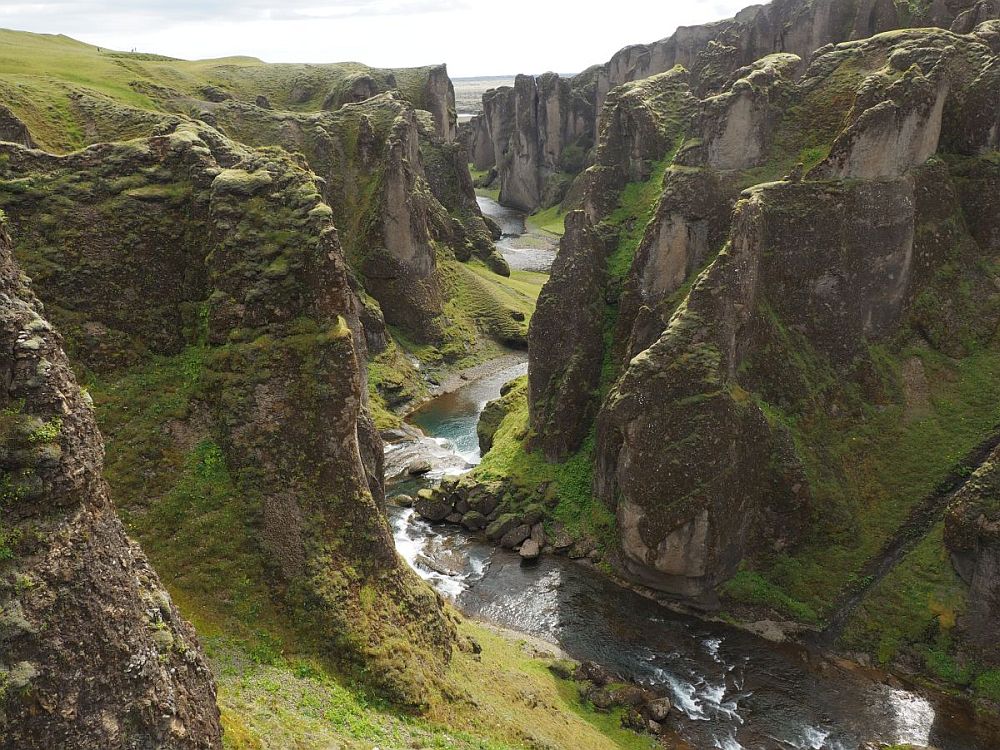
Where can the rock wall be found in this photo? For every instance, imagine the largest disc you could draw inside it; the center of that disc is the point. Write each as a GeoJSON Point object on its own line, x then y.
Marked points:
{"type": "Point", "coordinates": [828, 256]}
{"type": "Point", "coordinates": [94, 653]}
{"type": "Point", "coordinates": [710, 53]}
{"type": "Point", "coordinates": [972, 535]}
{"type": "Point", "coordinates": [391, 211]}
{"type": "Point", "coordinates": [189, 239]}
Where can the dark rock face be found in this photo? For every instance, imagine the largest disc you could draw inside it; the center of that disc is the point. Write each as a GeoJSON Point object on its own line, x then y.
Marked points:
{"type": "Point", "coordinates": [13, 130]}
{"type": "Point", "coordinates": [710, 53]}
{"type": "Point", "coordinates": [94, 653]}
{"type": "Point", "coordinates": [972, 535]}
{"type": "Point", "coordinates": [283, 390]}
{"type": "Point", "coordinates": [698, 475]}
{"type": "Point", "coordinates": [565, 338]}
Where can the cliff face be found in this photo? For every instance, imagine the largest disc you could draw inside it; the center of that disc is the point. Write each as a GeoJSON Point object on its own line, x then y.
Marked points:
{"type": "Point", "coordinates": [391, 212]}
{"type": "Point", "coordinates": [77, 597]}
{"type": "Point", "coordinates": [189, 252]}
{"type": "Point", "coordinates": [747, 332]}
{"type": "Point", "coordinates": [523, 156]}
{"type": "Point", "coordinates": [382, 145]}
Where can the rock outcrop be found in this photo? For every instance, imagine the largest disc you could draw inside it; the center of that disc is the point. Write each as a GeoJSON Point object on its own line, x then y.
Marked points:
{"type": "Point", "coordinates": [972, 535]}
{"type": "Point", "coordinates": [93, 653]}
{"type": "Point", "coordinates": [566, 334]}
{"type": "Point", "coordinates": [519, 127]}
{"type": "Point", "coordinates": [391, 211]}
{"type": "Point", "coordinates": [187, 239]}
{"type": "Point", "coordinates": [13, 130]}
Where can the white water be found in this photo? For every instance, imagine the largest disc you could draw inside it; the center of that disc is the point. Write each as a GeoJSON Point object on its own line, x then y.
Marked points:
{"type": "Point", "coordinates": [733, 691]}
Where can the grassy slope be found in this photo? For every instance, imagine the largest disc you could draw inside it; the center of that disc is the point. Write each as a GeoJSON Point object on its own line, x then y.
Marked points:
{"type": "Point", "coordinates": [551, 220]}
{"type": "Point", "coordinates": [505, 698]}
{"type": "Point", "coordinates": [273, 692]}
{"type": "Point", "coordinates": [40, 72]}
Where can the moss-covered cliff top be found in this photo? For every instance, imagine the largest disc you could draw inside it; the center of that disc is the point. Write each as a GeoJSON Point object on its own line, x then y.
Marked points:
{"type": "Point", "coordinates": [64, 90]}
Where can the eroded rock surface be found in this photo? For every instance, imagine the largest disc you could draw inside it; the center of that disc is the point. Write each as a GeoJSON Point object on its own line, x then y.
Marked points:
{"type": "Point", "coordinates": [724, 290]}
{"type": "Point", "coordinates": [93, 653]}
{"type": "Point", "coordinates": [188, 239]}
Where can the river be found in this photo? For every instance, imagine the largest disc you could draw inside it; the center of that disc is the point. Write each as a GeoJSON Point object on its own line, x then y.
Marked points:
{"type": "Point", "coordinates": [523, 249]}
{"type": "Point", "coordinates": [733, 691]}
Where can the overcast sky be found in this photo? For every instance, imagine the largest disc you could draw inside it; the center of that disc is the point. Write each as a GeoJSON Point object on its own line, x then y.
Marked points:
{"type": "Point", "coordinates": [474, 38]}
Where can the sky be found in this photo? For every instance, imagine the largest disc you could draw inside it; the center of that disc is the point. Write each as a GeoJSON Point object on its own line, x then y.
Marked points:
{"type": "Point", "coordinates": [473, 37]}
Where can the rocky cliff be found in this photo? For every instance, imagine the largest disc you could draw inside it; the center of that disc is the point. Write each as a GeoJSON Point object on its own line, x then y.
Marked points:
{"type": "Point", "coordinates": [792, 284]}
{"type": "Point", "coordinates": [537, 133]}
{"type": "Point", "coordinates": [187, 252]}
{"type": "Point", "coordinates": [382, 145]}
{"type": "Point", "coordinates": [95, 654]}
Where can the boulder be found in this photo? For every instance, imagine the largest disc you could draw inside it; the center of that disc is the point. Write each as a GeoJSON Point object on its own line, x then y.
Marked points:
{"type": "Point", "coordinates": [657, 710]}
{"type": "Point", "coordinates": [502, 525]}
{"type": "Point", "coordinates": [474, 520]}
{"type": "Point", "coordinates": [529, 550]}
{"type": "Point", "coordinates": [402, 501]}
{"type": "Point", "coordinates": [432, 505]}
{"type": "Point", "coordinates": [538, 534]}
{"type": "Point", "coordinates": [419, 467]}
{"type": "Point", "coordinates": [515, 536]}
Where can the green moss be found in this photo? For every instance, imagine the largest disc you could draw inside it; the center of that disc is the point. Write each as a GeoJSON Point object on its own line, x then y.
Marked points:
{"type": "Point", "coordinates": [551, 220]}
{"type": "Point", "coordinates": [636, 207]}
{"type": "Point", "coordinates": [569, 482]}
{"type": "Point", "coordinates": [748, 587]}
{"type": "Point", "coordinates": [185, 512]}
{"type": "Point", "coordinates": [987, 684]}
{"type": "Point", "coordinates": [915, 606]}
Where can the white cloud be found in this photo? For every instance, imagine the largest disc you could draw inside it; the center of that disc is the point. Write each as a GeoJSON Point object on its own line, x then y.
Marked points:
{"type": "Point", "coordinates": [473, 37]}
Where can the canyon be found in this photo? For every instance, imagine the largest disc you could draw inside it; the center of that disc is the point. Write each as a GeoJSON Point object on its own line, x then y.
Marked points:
{"type": "Point", "coordinates": [733, 296]}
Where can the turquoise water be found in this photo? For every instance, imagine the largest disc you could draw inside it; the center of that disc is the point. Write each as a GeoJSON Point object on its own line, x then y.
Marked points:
{"type": "Point", "coordinates": [453, 416]}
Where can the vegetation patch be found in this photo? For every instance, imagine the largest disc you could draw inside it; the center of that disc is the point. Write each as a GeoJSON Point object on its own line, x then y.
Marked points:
{"type": "Point", "coordinates": [502, 699]}
{"type": "Point", "coordinates": [568, 484]}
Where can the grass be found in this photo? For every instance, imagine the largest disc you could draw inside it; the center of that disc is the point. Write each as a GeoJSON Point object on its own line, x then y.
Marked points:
{"type": "Point", "coordinates": [867, 473]}
{"type": "Point", "coordinates": [922, 595]}
{"type": "Point", "coordinates": [502, 699]}
{"type": "Point", "coordinates": [551, 220]}
{"type": "Point", "coordinates": [40, 74]}
{"type": "Point", "coordinates": [751, 588]}
{"type": "Point", "coordinates": [636, 207]}
{"type": "Point", "coordinates": [569, 482]}
{"type": "Point", "coordinates": [518, 292]}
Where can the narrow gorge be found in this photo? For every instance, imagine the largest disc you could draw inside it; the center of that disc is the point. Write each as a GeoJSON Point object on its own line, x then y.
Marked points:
{"type": "Point", "coordinates": [652, 406]}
